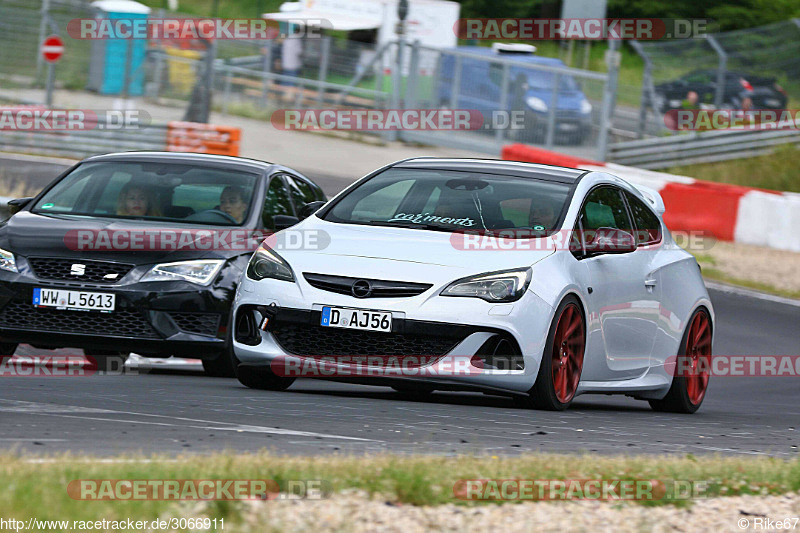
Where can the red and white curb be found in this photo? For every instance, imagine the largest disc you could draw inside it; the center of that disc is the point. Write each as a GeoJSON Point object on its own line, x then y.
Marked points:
{"type": "Point", "coordinates": [730, 212]}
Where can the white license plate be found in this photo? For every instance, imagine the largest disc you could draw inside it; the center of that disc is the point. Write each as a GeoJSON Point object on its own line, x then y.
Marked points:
{"type": "Point", "coordinates": [342, 317]}
{"type": "Point", "coordinates": [76, 300]}
{"type": "Point", "coordinates": [772, 102]}
{"type": "Point", "coordinates": [568, 127]}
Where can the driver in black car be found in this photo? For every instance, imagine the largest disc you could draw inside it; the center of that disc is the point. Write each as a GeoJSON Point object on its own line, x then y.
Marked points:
{"type": "Point", "coordinates": [233, 202]}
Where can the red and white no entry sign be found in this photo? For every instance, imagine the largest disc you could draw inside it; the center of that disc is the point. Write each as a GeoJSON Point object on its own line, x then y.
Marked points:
{"type": "Point", "coordinates": [52, 49]}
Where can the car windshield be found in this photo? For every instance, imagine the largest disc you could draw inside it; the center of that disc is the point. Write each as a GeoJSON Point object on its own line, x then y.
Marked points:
{"type": "Point", "coordinates": [540, 79]}
{"type": "Point", "coordinates": [453, 201]}
{"type": "Point", "coordinates": [177, 192]}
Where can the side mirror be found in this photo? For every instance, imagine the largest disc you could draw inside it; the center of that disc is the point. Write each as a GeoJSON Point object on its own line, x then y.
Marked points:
{"type": "Point", "coordinates": [610, 241]}
{"type": "Point", "coordinates": [284, 221]}
{"type": "Point", "coordinates": [17, 205]}
{"type": "Point", "coordinates": [310, 208]}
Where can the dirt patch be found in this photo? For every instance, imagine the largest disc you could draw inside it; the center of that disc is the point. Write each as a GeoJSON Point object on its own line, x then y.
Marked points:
{"type": "Point", "coordinates": [756, 264]}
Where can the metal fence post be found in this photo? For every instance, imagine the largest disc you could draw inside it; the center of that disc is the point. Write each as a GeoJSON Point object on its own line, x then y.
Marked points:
{"type": "Point", "coordinates": [456, 83]}
{"type": "Point", "coordinates": [551, 113]}
{"type": "Point", "coordinates": [226, 96]}
{"type": "Point", "coordinates": [499, 133]}
{"type": "Point", "coordinates": [609, 95]}
{"type": "Point", "coordinates": [45, 14]}
{"type": "Point", "coordinates": [266, 68]}
{"type": "Point", "coordinates": [413, 79]}
{"type": "Point", "coordinates": [723, 61]}
{"type": "Point", "coordinates": [397, 81]}
{"type": "Point", "coordinates": [325, 58]}
{"type": "Point", "coordinates": [647, 81]}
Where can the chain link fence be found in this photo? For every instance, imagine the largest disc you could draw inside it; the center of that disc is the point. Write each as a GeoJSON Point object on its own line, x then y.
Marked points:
{"type": "Point", "coordinates": [756, 68]}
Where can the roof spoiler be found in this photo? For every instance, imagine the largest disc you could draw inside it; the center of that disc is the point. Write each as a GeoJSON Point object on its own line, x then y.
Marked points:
{"type": "Point", "coordinates": [653, 198]}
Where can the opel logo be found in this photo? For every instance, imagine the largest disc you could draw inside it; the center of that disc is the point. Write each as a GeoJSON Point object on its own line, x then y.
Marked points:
{"type": "Point", "coordinates": [361, 288]}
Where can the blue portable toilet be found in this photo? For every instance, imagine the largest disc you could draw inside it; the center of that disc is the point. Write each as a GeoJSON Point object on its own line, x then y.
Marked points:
{"type": "Point", "coordinates": [109, 57]}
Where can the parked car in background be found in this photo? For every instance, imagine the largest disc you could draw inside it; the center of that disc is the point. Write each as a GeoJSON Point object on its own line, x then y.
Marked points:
{"type": "Point", "coordinates": [480, 87]}
{"type": "Point", "coordinates": [140, 252]}
{"type": "Point", "coordinates": [764, 92]}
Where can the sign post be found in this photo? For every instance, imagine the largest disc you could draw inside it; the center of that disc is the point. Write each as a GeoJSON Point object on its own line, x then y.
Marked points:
{"type": "Point", "coordinates": [52, 49]}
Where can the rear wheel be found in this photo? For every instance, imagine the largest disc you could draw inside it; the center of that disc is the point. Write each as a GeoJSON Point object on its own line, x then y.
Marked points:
{"type": "Point", "coordinates": [562, 361]}
{"type": "Point", "coordinates": [690, 383]}
{"type": "Point", "coordinates": [262, 378]}
{"type": "Point", "coordinates": [105, 361]}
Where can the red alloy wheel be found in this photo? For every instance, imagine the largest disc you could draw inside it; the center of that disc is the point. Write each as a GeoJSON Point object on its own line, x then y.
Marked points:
{"type": "Point", "coordinates": [568, 347]}
{"type": "Point", "coordinates": [698, 354]}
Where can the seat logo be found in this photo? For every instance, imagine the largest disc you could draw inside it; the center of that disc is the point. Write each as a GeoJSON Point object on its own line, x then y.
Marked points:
{"type": "Point", "coordinates": [361, 288]}
{"type": "Point", "coordinates": [78, 269]}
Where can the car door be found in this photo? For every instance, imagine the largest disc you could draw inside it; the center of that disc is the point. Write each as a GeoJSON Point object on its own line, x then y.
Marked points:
{"type": "Point", "coordinates": [623, 302]}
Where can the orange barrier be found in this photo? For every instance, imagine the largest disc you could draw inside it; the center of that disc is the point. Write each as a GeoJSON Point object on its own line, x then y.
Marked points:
{"type": "Point", "coordinates": [203, 138]}
{"type": "Point", "coordinates": [530, 154]}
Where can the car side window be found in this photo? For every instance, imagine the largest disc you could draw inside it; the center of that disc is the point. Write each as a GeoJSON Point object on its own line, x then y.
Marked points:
{"type": "Point", "coordinates": [604, 208]}
{"type": "Point", "coordinates": [301, 191]}
{"type": "Point", "coordinates": [276, 203]}
{"type": "Point", "coordinates": [648, 225]}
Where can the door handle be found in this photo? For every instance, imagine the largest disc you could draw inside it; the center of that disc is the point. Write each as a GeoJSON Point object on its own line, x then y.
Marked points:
{"type": "Point", "coordinates": [650, 283]}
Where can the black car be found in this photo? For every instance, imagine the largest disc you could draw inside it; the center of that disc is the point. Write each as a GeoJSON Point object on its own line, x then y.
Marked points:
{"type": "Point", "coordinates": [140, 252]}
{"type": "Point", "coordinates": [764, 93]}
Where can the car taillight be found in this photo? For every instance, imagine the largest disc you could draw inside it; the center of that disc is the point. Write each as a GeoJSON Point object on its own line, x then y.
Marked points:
{"type": "Point", "coordinates": [780, 89]}
{"type": "Point", "coordinates": [745, 84]}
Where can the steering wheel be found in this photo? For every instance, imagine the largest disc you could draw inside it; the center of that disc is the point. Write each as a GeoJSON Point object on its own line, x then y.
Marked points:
{"type": "Point", "coordinates": [202, 216]}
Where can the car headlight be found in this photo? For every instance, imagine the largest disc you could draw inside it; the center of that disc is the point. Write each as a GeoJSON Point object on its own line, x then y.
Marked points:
{"type": "Point", "coordinates": [199, 272]}
{"type": "Point", "coordinates": [7, 261]}
{"type": "Point", "coordinates": [586, 107]}
{"type": "Point", "coordinates": [504, 286]}
{"type": "Point", "coordinates": [537, 104]}
{"type": "Point", "coordinates": [265, 263]}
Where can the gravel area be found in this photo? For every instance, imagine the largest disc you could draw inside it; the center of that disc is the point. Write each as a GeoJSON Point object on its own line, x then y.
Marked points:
{"type": "Point", "coordinates": [778, 268]}
{"type": "Point", "coordinates": [357, 513]}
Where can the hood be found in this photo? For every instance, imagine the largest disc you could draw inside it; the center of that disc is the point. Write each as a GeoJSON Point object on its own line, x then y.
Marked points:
{"type": "Point", "coordinates": [381, 252]}
{"type": "Point", "coordinates": [28, 234]}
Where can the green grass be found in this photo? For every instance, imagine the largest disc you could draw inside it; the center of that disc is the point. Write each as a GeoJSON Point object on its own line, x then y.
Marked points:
{"type": "Point", "coordinates": [776, 171]}
{"type": "Point", "coordinates": [416, 480]}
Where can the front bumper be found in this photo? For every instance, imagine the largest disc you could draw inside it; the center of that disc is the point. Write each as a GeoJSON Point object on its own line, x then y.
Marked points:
{"type": "Point", "coordinates": [172, 318]}
{"type": "Point", "coordinates": [441, 350]}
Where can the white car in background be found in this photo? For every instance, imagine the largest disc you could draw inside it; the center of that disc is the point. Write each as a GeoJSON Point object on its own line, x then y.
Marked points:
{"type": "Point", "coordinates": [549, 282]}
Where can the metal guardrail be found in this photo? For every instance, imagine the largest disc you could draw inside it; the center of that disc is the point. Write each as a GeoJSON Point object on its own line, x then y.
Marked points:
{"type": "Point", "coordinates": [84, 143]}
{"type": "Point", "coordinates": [699, 147]}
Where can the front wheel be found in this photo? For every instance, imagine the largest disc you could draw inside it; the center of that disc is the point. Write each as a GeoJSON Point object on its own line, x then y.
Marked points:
{"type": "Point", "coordinates": [221, 367]}
{"type": "Point", "coordinates": [562, 361]}
{"type": "Point", "coordinates": [262, 378]}
{"type": "Point", "coordinates": [690, 381]}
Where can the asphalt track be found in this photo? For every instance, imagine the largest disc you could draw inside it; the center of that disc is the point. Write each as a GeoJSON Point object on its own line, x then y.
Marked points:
{"type": "Point", "coordinates": [175, 409]}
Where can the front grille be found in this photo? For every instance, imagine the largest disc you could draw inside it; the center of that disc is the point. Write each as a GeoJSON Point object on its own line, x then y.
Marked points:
{"type": "Point", "coordinates": [199, 323]}
{"type": "Point", "coordinates": [379, 288]}
{"type": "Point", "coordinates": [122, 323]}
{"type": "Point", "coordinates": [305, 339]}
{"type": "Point", "coordinates": [93, 271]}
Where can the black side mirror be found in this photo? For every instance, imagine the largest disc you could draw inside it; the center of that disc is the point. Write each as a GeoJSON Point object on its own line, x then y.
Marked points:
{"type": "Point", "coordinates": [310, 208]}
{"type": "Point", "coordinates": [284, 221]}
{"type": "Point", "coordinates": [17, 205]}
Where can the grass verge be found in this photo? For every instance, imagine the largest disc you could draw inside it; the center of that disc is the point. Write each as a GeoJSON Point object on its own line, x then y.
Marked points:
{"type": "Point", "coordinates": [776, 171]}
{"type": "Point", "coordinates": [416, 480]}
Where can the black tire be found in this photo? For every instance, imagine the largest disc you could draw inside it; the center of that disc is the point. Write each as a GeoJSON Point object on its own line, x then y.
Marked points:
{"type": "Point", "coordinates": [262, 378]}
{"type": "Point", "coordinates": [677, 399]}
{"type": "Point", "coordinates": [105, 361]}
{"type": "Point", "coordinates": [7, 350]}
{"type": "Point", "coordinates": [221, 367]}
{"type": "Point", "coordinates": [543, 394]}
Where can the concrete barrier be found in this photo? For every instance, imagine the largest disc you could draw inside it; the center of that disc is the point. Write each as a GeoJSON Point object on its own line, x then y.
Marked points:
{"type": "Point", "coordinates": [730, 212]}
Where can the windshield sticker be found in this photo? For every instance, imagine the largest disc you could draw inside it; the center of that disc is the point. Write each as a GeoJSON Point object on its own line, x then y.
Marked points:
{"type": "Point", "coordinates": [48, 206]}
{"type": "Point", "coordinates": [538, 228]}
{"type": "Point", "coordinates": [422, 218]}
